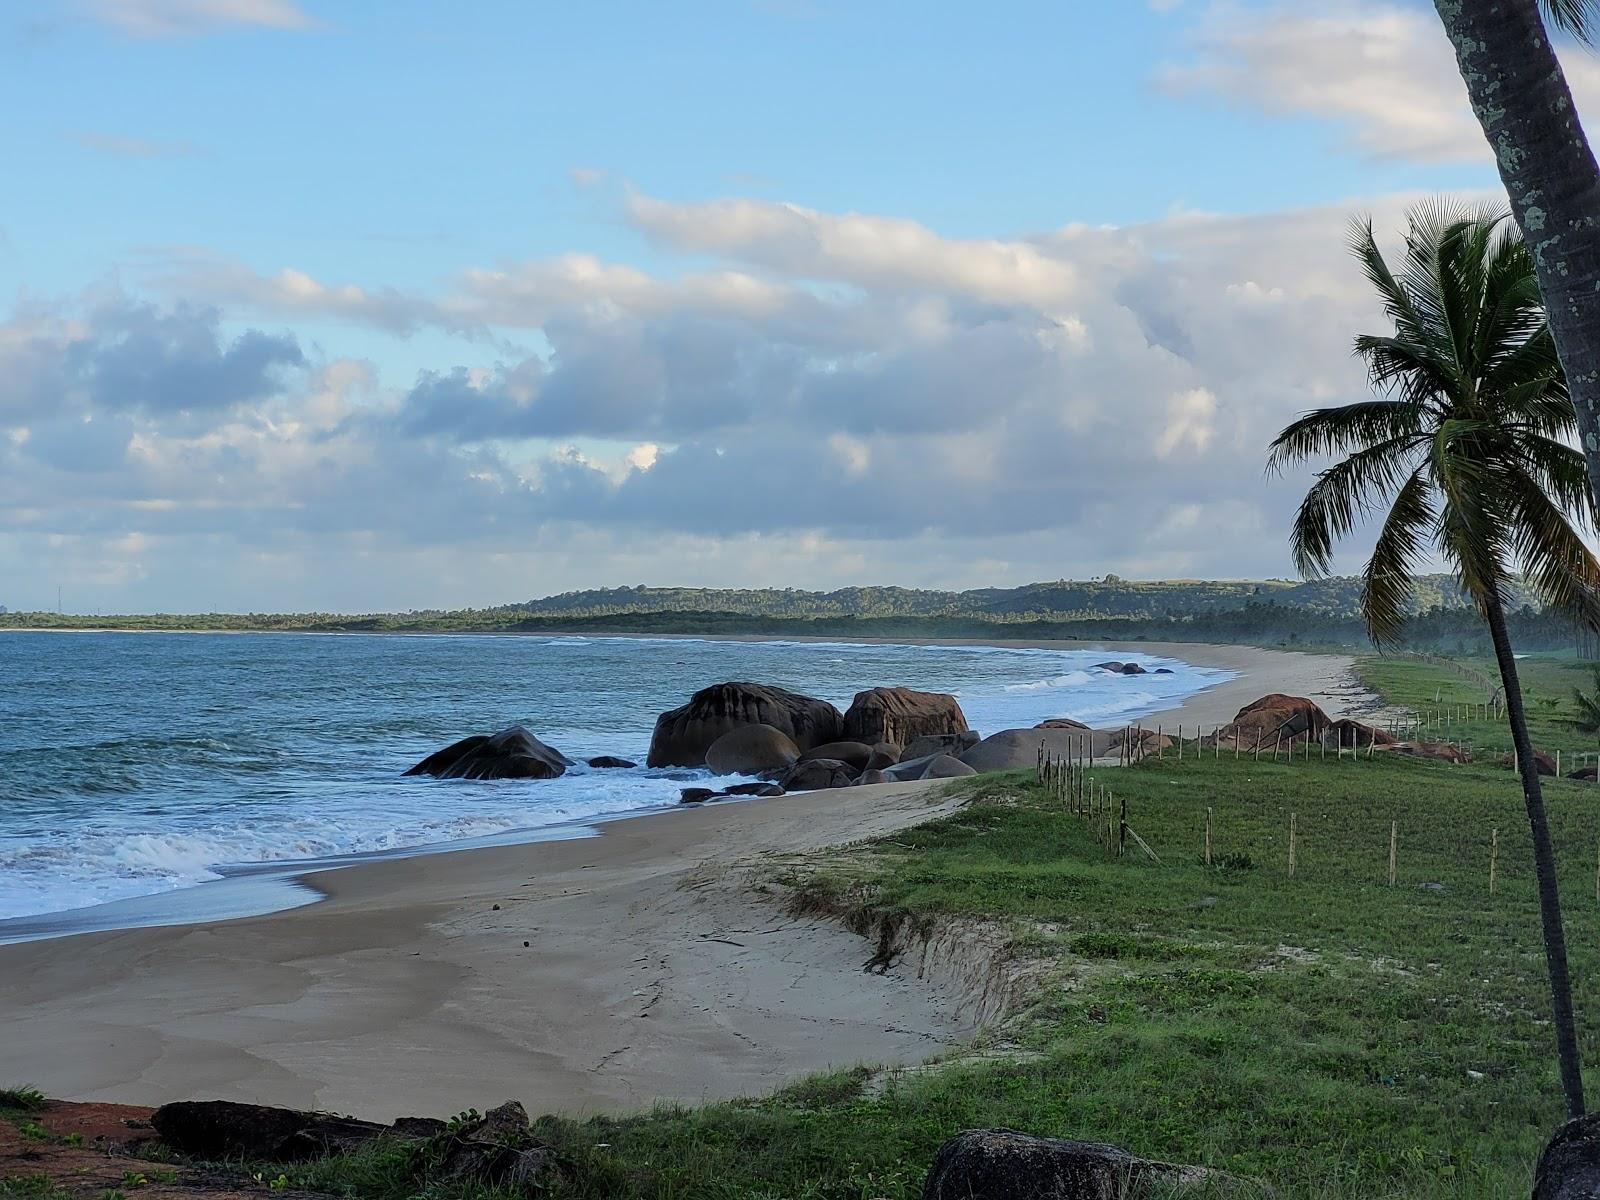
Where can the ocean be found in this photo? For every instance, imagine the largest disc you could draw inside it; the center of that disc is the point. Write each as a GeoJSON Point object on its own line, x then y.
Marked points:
{"type": "Point", "coordinates": [136, 765]}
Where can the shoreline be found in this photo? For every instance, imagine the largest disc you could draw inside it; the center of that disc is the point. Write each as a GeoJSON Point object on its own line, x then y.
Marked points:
{"type": "Point", "coordinates": [264, 888]}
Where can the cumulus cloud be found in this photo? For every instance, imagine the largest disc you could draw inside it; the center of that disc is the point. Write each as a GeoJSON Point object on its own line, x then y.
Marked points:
{"type": "Point", "coordinates": [924, 410]}
{"type": "Point", "coordinates": [1384, 72]}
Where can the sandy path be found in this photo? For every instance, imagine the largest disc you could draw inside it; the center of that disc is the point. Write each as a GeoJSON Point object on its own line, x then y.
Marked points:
{"type": "Point", "coordinates": [651, 971]}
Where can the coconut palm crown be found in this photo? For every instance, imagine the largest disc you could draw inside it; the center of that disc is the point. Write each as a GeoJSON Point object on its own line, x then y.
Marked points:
{"type": "Point", "coordinates": [1467, 446]}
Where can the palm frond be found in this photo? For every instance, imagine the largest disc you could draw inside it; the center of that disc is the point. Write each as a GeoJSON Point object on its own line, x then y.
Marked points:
{"type": "Point", "coordinates": [1328, 431]}
{"type": "Point", "coordinates": [1388, 582]}
{"type": "Point", "coordinates": [1581, 18]}
{"type": "Point", "coordinates": [1341, 496]}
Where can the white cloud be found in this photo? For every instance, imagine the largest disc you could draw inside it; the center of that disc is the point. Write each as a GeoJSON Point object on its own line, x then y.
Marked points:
{"type": "Point", "coordinates": [177, 18]}
{"type": "Point", "coordinates": [932, 404]}
{"type": "Point", "coordinates": [1384, 72]}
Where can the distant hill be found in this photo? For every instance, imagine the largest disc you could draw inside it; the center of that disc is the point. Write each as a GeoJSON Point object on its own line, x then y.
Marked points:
{"type": "Point", "coordinates": [1061, 600]}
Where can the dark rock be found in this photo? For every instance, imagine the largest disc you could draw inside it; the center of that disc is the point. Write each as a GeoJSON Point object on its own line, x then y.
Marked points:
{"type": "Point", "coordinates": [215, 1130]}
{"type": "Point", "coordinates": [497, 1151]}
{"type": "Point", "coordinates": [907, 768]}
{"type": "Point", "coordinates": [901, 715]}
{"type": "Point", "coordinates": [943, 743]}
{"type": "Point", "coordinates": [612, 762]}
{"type": "Point", "coordinates": [1061, 723]}
{"type": "Point", "coordinates": [1121, 668]}
{"type": "Point", "coordinates": [1569, 1168]}
{"type": "Point", "coordinates": [998, 1164]}
{"type": "Point", "coordinates": [1437, 751]}
{"type": "Point", "coordinates": [942, 766]}
{"type": "Point", "coordinates": [857, 754]}
{"type": "Point", "coordinates": [510, 754]}
{"type": "Point", "coordinates": [750, 750]}
{"type": "Point", "coordinates": [815, 774]}
{"type": "Point", "coordinates": [1276, 716]}
{"type": "Point", "coordinates": [754, 789]}
{"type": "Point", "coordinates": [1347, 734]}
{"type": "Point", "coordinates": [1585, 774]}
{"type": "Point", "coordinates": [1162, 671]}
{"type": "Point", "coordinates": [696, 795]}
{"type": "Point", "coordinates": [871, 776]}
{"type": "Point", "coordinates": [683, 735]}
{"type": "Point", "coordinates": [884, 754]}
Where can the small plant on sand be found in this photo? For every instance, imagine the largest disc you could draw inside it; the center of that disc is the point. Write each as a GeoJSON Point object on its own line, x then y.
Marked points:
{"type": "Point", "coordinates": [21, 1099]}
{"type": "Point", "coordinates": [135, 1179]}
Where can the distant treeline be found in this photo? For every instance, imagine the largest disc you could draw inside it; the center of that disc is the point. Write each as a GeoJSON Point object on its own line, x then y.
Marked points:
{"type": "Point", "coordinates": [1269, 622]}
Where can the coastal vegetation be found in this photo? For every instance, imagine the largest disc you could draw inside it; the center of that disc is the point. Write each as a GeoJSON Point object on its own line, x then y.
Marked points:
{"type": "Point", "coordinates": [1466, 454]}
{"type": "Point", "coordinates": [1325, 613]}
{"type": "Point", "coordinates": [1328, 1033]}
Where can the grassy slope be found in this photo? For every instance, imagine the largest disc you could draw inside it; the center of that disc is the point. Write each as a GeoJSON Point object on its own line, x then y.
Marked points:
{"type": "Point", "coordinates": [1328, 1033]}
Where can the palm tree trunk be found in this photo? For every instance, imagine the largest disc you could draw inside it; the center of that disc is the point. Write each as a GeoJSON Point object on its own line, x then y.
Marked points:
{"type": "Point", "coordinates": [1521, 99]}
{"type": "Point", "coordinates": [1544, 862]}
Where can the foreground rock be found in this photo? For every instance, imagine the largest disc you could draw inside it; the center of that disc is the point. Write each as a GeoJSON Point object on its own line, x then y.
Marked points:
{"type": "Point", "coordinates": [683, 735]}
{"type": "Point", "coordinates": [1437, 751]}
{"type": "Point", "coordinates": [1060, 723]}
{"type": "Point", "coordinates": [816, 774]}
{"type": "Point", "coordinates": [510, 754]}
{"type": "Point", "coordinates": [901, 715]}
{"type": "Point", "coordinates": [857, 754]}
{"type": "Point", "coordinates": [218, 1130]}
{"type": "Point", "coordinates": [1346, 734]}
{"type": "Point", "coordinates": [1569, 1168]}
{"type": "Point", "coordinates": [497, 1151]}
{"type": "Point", "coordinates": [751, 750]}
{"type": "Point", "coordinates": [1275, 720]}
{"type": "Point", "coordinates": [998, 1164]}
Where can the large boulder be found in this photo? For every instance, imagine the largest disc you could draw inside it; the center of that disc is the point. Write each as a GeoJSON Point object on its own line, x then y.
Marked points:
{"type": "Point", "coordinates": [1121, 668]}
{"type": "Point", "coordinates": [942, 766]}
{"type": "Point", "coordinates": [815, 774]}
{"type": "Point", "coordinates": [1016, 749]}
{"type": "Point", "coordinates": [218, 1130]}
{"type": "Point", "coordinates": [870, 777]}
{"type": "Point", "coordinates": [683, 735]}
{"type": "Point", "coordinates": [941, 743]}
{"type": "Point", "coordinates": [510, 754]}
{"type": "Point", "coordinates": [1569, 1168]}
{"type": "Point", "coordinates": [750, 750]}
{"type": "Point", "coordinates": [999, 1164]}
{"type": "Point", "coordinates": [884, 754]}
{"type": "Point", "coordinates": [1275, 720]}
{"type": "Point", "coordinates": [901, 715]}
{"type": "Point", "coordinates": [857, 754]}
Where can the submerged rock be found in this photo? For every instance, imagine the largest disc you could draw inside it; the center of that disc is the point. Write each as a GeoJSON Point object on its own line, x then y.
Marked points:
{"type": "Point", "coordinates": [510, 754]}
{"type": "Point", "coordinates": [612, 762]}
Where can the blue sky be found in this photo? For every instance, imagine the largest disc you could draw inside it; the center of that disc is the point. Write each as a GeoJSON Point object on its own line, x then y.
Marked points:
{"type": "Point", "coordinates": [523, 276]}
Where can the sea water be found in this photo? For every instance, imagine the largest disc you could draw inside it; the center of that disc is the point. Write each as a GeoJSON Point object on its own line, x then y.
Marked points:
{"type": "Point", "coordinates": [132, 765]}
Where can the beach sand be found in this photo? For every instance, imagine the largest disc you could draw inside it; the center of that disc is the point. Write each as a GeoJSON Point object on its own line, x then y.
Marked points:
{"type": "Point", "coordinates": [617, 970]}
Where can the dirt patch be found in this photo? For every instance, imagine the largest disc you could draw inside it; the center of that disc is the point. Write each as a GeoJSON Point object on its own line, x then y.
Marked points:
{"type": "Point", "coordinates": [89, 1150]}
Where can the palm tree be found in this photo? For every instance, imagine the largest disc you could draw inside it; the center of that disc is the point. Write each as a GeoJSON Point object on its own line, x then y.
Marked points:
{"type": "Point", "coordinates": [1464, 453]}
{"type": "Point", "coordinates": [1522, 100]}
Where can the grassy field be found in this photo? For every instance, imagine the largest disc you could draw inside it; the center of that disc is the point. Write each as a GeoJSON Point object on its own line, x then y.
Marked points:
{"type": "Point", "coordinates": [1329, 1034]}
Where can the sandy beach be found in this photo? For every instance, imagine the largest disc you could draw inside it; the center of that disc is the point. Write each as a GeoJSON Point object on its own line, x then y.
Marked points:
{"type": "Point", "coordinates": [598, 974]}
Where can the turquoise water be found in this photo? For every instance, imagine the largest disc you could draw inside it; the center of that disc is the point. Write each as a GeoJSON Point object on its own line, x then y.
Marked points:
{"type": "Point", "coordinates": [135, 764]}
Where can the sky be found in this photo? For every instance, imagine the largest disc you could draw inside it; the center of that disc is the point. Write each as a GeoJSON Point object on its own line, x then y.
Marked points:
{"type": "Point", "coordinates": [339, 306]}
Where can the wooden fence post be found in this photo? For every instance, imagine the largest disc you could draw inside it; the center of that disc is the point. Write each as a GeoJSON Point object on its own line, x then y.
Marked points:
{"type": "Point", "coordinates": [1208, 835]}
{"type": "Point", "coordinates": [1494, 856]}
{"type": "Point", "coordinates": [1291, 845]}
{"type": "Point", "coordinates": [1394, 837]}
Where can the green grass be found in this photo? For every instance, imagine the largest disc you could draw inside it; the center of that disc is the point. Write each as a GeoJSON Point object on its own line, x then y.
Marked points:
{"type": "Point", "coordinates": [21, 1099]}
{"type": "Point", "coordinates": [1328, 1034]}
{"type": "Point", "coordinates": [1431, 687]}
